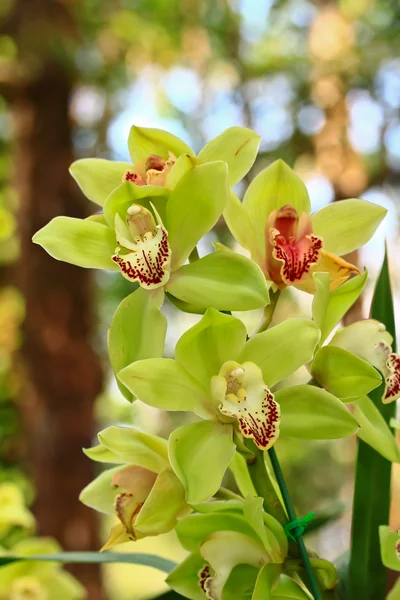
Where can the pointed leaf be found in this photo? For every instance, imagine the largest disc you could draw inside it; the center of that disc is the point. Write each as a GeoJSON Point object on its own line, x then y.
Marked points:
{"type": "Point", "coordinates": [281, 350]}
{"type": "Point", "coordinates": [374, 430]}
{"type": "Point", "coordinates": [214, 340]}
{"type": "Point", "coordinates": [135, 447]}
{"type": "Point", "coordinates": [270, 190]}
{"type": "Point", "coordinates": [344, 374]}
{"type": "Point", "coordinates": [97, 177]}
{"type": "Point", "coordinates": [309, 413]}
{"type": "Point", "coordinates": [164, 383]}
{"type": "Point", "coordinates": [237, 146]}
{"type": "Point", "coordinates": [137, 331]}
{"type": "Point", "coordinates": [194, 207]}
{"type": "Point", "coordinates": [80, 242]}
{"type": "Point", "coordinates": [347, 224]}
{"type": "Point", "coordinates": [200, 454]}
{"type": "Point", "coordinates": [223, 280]}
{"type": "Point", "coordinates": [148, 560]}
{"type": "Point", "coordinates": [144, 141]}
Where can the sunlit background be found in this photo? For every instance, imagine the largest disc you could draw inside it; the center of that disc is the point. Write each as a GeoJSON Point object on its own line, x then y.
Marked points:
{"type": "Point", "coordinates": [319, 81]}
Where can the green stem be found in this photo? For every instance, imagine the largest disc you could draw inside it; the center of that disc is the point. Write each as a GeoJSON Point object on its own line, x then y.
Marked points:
{"type": "Point", "coordinates": [262, 482]}
{"type": "Point", "coordinates": [314, 588]}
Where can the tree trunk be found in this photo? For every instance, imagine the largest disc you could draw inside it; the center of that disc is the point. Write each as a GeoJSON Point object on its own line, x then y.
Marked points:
{"type": "Point", "coordinates": [63, 373]}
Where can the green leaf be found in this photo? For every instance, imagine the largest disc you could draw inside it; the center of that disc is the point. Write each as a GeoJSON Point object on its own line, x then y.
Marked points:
{"type": "Point", "coordinates": [347, 224]}
{"type": "Point", "coordinates": [136, 447]}
{"type": "Point", "coordinates": [310, 413]}
{"type": "Point", "coordinates": [100, 493]}
{"type": "Point", "coordinates": [147, 560]}
{"type": "Point", "coordinates": [390, 547]}
{"type": "Point", "coordinates": [270, 190]}
{"type": "Point", "coordinates": [214, 340]}
{"type": "Point", "coordinates": [281, 350]}
{"type": "Point", "coordinates": [374, 430]}
{"type": "Point", "coordinates": [372, 493]}
{"type": "Point", "coordinates": [237, 146]}
{"type": "Point", "coordinates": [164, 383]}
{"type": "Point", "coordinates": [144, 141]}
{"type": "Point", "coordinates": [223, 280]}
{"type": "Point", "coordinates": [200, 454]}
{"type": "Point", "coordinates": [344, 374]}
{"type": "Point", "coordinates": [97, 177]}
{"type": "Point", "coordinates": [194, 207]}
{"type": "Point", "coordinates": [126, 194]}
{"type": "Point", "coordinates": [329, 309]}
{"type": "Point", "coordinates": [80, 242]}
{"type": "Point", "coordinates": [137, 331]}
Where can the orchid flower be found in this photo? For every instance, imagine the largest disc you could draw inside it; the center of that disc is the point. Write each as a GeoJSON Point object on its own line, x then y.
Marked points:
{"type": "Point", "coordinates": [36, 579]}
{"type": "Point", "coordinates": [143, 492]}
{"type": "Point", "coordinates": [289, 244]}
{"type": "Point", "coordinates": [229, 382]}
{"type": "Point", "coordinates": [351, 364]}
{"type": "Point", "coordinates": [13, 512]}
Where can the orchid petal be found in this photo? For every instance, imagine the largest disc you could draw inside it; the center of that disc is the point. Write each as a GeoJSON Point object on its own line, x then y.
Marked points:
{"type": "Point", "coordinates": [309, 413]}
{"type": "Point", "coordinates": [346, 225]}
{"type": "Point", "coordinates": [194, 207]}
{"type": "Point", "coordinates": [270, 190]}
{"type": "Point", "coordinates": [247, 399]}
{"type": "Point", "coordinates": [164, 383]}
{"type": "Point", "coordinates": [224, 280]}
{"type": "Point", "coordinates": [237, 146]}
{"type": "Point", "coordinates": [126, 194]}
{"type": "Point", "coordinates": [343, 373]}
{"type": "Point", "coordinates": [240, 226]}
{"type": "Point", "coordinates": [185, 578]}
{"type": "Point", "coordinates": [204, 348]}
{"type": "Point", "coordinates": [164, 504]}
{"type": "Point", "coordinates": [101, 454]}
{"type": "Point", "coordinates": [271, 534]}
{"type": "Point", "coordinates": [97, 177]}
{"type": "Point", "coordinates": [370, 341]}
{"type": "Point", "coordinates": [100, 493]}
{"type": "Point", "coordinates": [137, 331]}
{"type": "Point", "coordinates": [80, 242]}
{"type": "Point", "coordinates": [374, 430]}
{"type": "Point", "coordinates": [201, 472]}
{"type": "Point", "coordinates": [145, 141]}
{"type": "Point", "coordinates": [339, 271]}
{"type": "Point", "coordinates": [330, 308]}
{"type": "Point", "coordinates": [136, 447]}
{"type": "Point", "coordinates": [281, 350]}
{"type": "Point", "coordinates": [223, 550]}
{"type": "Point", "coordinates": [390, 547]}
{"type": "Point", "coordinates": [182, 165]}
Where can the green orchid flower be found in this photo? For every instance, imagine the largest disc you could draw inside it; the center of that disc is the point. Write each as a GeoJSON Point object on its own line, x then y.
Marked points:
{"type": "Point", "coordinates": [159, 158]}
{"type": "Point", "coordinates": [38, 580]}
{"type": "Point", "coordinates": [351, 364]}
{"type": "Point", "coordinates": [142, 491]}
{"type": "Point", "coordinates": [289, 245]}
{"type": "Point", "coordinates": [228, 382]}
{"type": "Point", "coordinates": [13, 512]}
{"type": "Point", "coordinates": [222, 536]}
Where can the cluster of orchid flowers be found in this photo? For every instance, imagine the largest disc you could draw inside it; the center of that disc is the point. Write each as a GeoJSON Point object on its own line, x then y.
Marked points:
{"type": "Point", "coordinates": [155, 211]}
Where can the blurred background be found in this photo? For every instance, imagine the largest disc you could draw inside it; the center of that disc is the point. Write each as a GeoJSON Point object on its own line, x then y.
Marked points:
{"type": "Point", "coordinates": [319, 81]}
